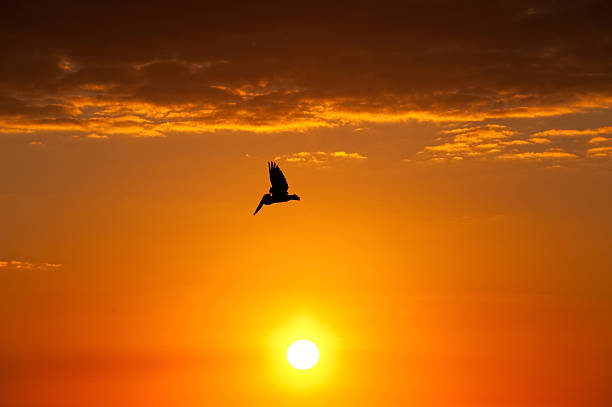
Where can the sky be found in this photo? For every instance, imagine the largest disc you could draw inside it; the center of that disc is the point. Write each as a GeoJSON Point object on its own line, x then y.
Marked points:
{"type": "Point", "coordinates": [452, 242]}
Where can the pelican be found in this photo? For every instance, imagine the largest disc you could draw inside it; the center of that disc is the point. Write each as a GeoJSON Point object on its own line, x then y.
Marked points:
{"type": "Point", "coordinates": [278, 190]}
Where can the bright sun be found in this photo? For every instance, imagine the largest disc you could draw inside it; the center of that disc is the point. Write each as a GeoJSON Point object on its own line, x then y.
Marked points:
{"type": "Point", "coordinates": [302, 354]}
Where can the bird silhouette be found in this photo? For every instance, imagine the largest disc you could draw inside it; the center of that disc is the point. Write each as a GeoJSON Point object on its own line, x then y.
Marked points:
{"type": "Point", "coordinates": [278, 190]}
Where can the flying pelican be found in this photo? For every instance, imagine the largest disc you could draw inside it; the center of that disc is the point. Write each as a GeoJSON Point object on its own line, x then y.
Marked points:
{"type": "Point", "coordinates": [278, 190]}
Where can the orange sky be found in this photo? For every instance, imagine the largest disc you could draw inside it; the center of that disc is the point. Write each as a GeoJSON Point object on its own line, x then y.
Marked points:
{"type": "Point", "coordinates": [452, 242]}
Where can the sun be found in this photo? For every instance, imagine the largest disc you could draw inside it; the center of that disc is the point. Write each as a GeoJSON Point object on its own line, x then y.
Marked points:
{"type": "Point", "coordinates": [302, 354]}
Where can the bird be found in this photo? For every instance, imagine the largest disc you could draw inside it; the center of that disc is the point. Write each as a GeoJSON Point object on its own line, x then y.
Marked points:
{"type": "Point", "coordinates": [278, 190]}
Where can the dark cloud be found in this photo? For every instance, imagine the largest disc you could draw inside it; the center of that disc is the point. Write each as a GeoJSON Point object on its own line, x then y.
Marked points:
{"type": "Point", "coordinates": [258, 63]}
{"type": "Point", "coordinates": [12, 107]}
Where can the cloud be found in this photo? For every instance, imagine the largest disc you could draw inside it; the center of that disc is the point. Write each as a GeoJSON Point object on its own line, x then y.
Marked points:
{"type": "Point", "coordinates": [213, 67]}
{"type": "Point", "coordinates": [574, 133]}
{"type": "Point", "coordinates": [261, 110]}
{"type": "Point", "coordinates": [600, 151]}
{"type": "Point", "coordinates": [501, 142]}
{"type": "Point", "coordinates": [599, 139]}
{"type": "Point", "coordinates": [472, 142]}
{"type": "Point", "coordinates": [530, 155]}
{"type": "Point", "coordinates": [539, 140]}
{"type": "Point", "coordinates": [25, 265]}
{"type": "Point", "coordinates": [319, 157]}
{"type": "Point", "coordinates": [97, 136]}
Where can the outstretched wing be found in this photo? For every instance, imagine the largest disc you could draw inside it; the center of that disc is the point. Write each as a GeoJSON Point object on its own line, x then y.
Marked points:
{"type": "Point", "coordinates": [277, 179]}
{"type": "Point", "coordinates": [260, 204]}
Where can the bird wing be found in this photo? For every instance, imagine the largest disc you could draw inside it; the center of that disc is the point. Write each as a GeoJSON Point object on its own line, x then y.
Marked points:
{"type": "Point", "coordinates": [260, 204]}
{"type": "Point", "coordinates": [277, 179]}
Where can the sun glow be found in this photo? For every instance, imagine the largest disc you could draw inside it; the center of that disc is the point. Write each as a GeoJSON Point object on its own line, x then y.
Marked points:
{"type": "Point", "coordinates": [303, 354]}
{"type": "Point", "coordinates": [291, 343]}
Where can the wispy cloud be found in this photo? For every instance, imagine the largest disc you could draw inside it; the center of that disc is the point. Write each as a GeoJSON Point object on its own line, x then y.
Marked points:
{"type": "Point", "coordinates": [539, 140]}
{"type": "Point", "coordinates": [97, 136]}
{"type": "Point", "coordinates": [530, 155]}
{"type": "Point", "coordinates": [599, 139]}
{"type": "Point", "coordinates": [479, 141]}
{"type": "Point", "coordinates": [600, 151]}
{"type": "Point", "coordinates": [26, 265]}
{"type": "Point", "coordinates": [501, 142]}
{"type": "Point", "coordinates": [268, 111]}
{"type": "Point", "coordinates": [573, 132]}
{"type": "Point", "coordinates": [319, 157]}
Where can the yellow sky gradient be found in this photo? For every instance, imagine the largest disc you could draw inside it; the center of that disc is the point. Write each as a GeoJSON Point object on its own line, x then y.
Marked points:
{"type": "Point", "coordinates": [425, 282]}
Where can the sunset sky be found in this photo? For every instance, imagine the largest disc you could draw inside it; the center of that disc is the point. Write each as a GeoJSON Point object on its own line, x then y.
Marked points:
{"type": "Point", "coordinates": [451, 248]}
